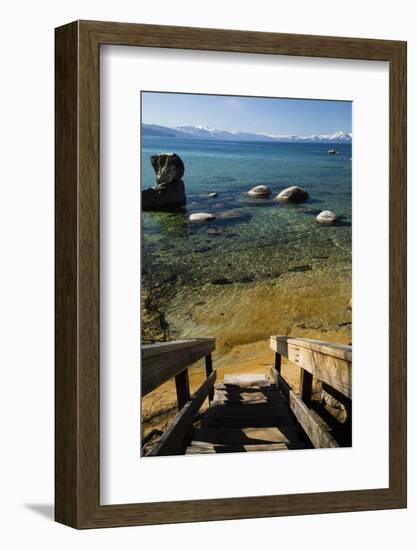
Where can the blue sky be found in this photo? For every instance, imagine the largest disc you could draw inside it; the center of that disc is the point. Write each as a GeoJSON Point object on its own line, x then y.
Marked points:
{"type": "Point", "coordinates": [247, 114]}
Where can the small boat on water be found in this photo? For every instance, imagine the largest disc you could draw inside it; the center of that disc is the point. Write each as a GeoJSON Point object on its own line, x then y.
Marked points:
{"type": "Point", "coordinates": [331, 152]}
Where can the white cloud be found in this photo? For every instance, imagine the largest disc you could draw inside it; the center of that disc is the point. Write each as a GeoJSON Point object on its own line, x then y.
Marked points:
{"type": "Point", "coordinates": [233, 102]}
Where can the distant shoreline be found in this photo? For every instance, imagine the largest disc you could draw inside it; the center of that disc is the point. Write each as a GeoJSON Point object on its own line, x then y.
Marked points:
{"type": "Point", "coordinates": [213, 134]}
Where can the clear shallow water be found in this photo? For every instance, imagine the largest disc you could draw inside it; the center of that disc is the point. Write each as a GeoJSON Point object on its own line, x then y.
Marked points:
{"type": "Point", "coordinates": [262, 240]}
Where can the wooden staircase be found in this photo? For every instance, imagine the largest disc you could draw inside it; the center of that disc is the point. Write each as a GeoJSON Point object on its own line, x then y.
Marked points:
{"type": "Point", "coordinates": [247, 413]}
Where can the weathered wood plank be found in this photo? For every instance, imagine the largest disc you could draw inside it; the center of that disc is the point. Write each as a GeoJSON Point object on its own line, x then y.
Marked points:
{"type": "Point", "coordinates": [246, 380]}
{"type": "Point", "coordinates": [280, 383]}
{"type": "Point", "coordinates": [308, 419]}
{"type": "Point", "coordinates": [223, 397]}
{"type": "Point", "coordinates": [341, 351]}
{"type": "Point", "coordinates": [171, 441]}
{"type": "Point", "coordinates": [235, 388]}
{"type": "Point", "coordinates": [149, 350]}
{"type": "Point", "coordinates": [335, 372]}
{"type": "Point", "coordinates": [279, 344]}
{"type": "Point", "coordinates": [246, 436]}
{"type": "Point", "coordinates": [278, 362]}
{"type": "Point", "coordinates": [306, 385]}
{"type": "Point", "coordinates": [242, 422]}
{"type": "Point", "coordinates": [171, 358]}
{"type": "Point", "coordinates": [207, 448]}
{"type": "Point", "coordinates": [263, 410]}
{"type": "Point", "coordinates": [328, 362]}
{"type": "Point", "coordinates": [182, 385]}
{"type": "Point", "coordinates": [209, 370]}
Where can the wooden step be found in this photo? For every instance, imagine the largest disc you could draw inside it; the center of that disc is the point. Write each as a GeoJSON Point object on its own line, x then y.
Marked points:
{"type": "Point", "coordinates": [246, 436]}
{"type": "Point", "coordinates": [247, 421]}
{"type": "Point", "coordinates": [247, 414]}
{"type": "Point", "coordinates": [249, 388]}
{"type": "Point", "coordinates": [245, 403]}
{"type": "Point", "coordinates": [245, 397]}
{"type": "Point", "coordinates": [236, 388]}
{"type": "Point", "coordinates": [221, 400]}
{"type": "Point", "coordinates": [211, 449]}
{"type": "Point", "coordinates": [260, 409]}
{"type": "Point", "coordinates": [246, 380]}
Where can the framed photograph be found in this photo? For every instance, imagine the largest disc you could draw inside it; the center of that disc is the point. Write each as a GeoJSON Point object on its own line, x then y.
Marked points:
{"type": "Point", "coordinates": [230, 274]}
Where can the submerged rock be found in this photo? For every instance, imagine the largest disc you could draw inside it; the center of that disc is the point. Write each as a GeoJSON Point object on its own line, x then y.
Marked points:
{"type": "Point", "coordinates": [221, 281]}
{"type": "Point", "coordinates": [300, 268]}
{"type": "Point", "coordinates": [171, 279]}
{"type": "Point", "coordinates": [232, 215]}
{"type": "Point", "coordinates": [203, 249]}
{"type": "Point", "coordinates": [215, 232]}
{"type": "Point", "coordinates": [169, 193]}
{"type": "Point", "coordinates": [326, 217]}
{"type": "Point", "coordinates": [202, 217]}
{"type": "Point", "coordinates": [260, 191]}
{"type": "Point", "coordinates": [312, 211]}
{"type": "Point", "coordinates": [246, 279]}
{"type": "Point", "coordinates": [293, 194]}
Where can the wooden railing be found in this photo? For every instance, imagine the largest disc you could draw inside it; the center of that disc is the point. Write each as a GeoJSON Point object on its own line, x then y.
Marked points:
{"type": "Point", "coordinates": [164, 361]}
{"type": "Point", "coordinates": [331, 364]}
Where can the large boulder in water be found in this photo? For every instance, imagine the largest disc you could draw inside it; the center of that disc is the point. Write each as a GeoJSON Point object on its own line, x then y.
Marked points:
{"type": "Point", "coordinates": [260, 191]}
{"type": "Point", "coordinates": [164, 197]}
{"type": "Point", "coordinates": [169, 193]}
{"type": "Point", "coordinates": [168, 167]}
{"type": "Point", "coordinates": [293, 194]}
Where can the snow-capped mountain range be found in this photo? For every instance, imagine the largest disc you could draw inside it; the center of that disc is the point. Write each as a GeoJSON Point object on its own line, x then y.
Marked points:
{"type": "Point", "coordinates": [205, 132]}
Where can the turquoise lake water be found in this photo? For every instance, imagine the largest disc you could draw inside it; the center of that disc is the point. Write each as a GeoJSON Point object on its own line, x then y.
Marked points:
{"type": "Point", "coordinates": [256, 239]}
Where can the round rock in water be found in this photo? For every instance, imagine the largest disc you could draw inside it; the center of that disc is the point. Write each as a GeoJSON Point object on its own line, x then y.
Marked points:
{"type": "Point", "coordinates": [202, 217]}
{"type": "Point", "coordinates": [232, 215]}
{"type": "Point", "coordinates": [260, 191]}
{"type": "Point", "coordinates": [327, 216]}
{"type": "Point", "coordinates": [168, 167]}
{"type": "Point", "coordinates": [293, 194]}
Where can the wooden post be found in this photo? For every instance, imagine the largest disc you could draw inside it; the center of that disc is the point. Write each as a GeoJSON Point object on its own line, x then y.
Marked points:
{"type": "Point", "coordinates": [278, 362]}
{"type": "Point", "coordinates": [306, 383]}
{"type": "Point", "coordinates": [209, 370]}
{"type": "Point", "coordinates": [183, 388]}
